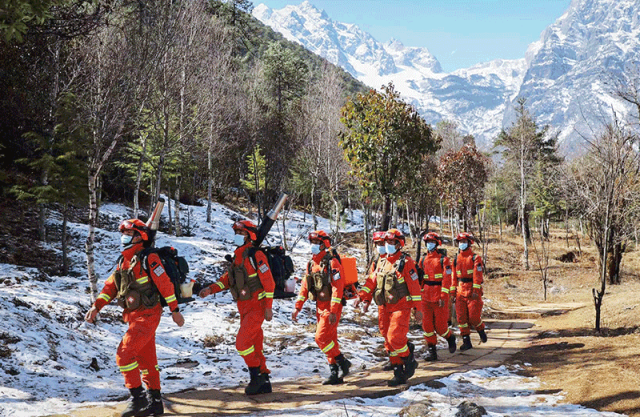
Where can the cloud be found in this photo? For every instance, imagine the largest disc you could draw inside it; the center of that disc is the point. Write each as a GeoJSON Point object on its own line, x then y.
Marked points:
{"type": "Point", "coordinates": [454, 52]}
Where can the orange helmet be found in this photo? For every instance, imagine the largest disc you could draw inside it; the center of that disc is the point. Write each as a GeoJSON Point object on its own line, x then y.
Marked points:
{"type": "Point", "coordinates": [432, 236]}
{"type": "Point", "coordinates": [465, 235]}
{"type": "Point", "coordinates": [248, 226]}
{"type": "Point", "coordinates": [395, 234]}
{"type": "Point", "coordinates": [321, 235]}
{"type": "Point", "coordinates": [136, 225]}
{"type": "Point", "coordinates": [379, 235]}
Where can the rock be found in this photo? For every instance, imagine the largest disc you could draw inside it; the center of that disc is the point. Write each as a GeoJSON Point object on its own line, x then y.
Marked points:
{"type": "Point", "coordinates": [469, 409]}
{"type": "Point", "coordinates": [419, 409]}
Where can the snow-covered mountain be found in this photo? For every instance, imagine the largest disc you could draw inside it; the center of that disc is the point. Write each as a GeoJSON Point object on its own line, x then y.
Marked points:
{"type": "Point", "coordinates": [563, 75]}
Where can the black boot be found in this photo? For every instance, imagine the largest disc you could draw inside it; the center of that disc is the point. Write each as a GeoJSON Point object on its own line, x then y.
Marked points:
{"type": "Point", "coordinates": [483, 336]}
{"type": "Point", "coordinates": [344, 365]}
{"type": "Point", "coordinates": [137, 404]}
{"type": "Point", "coordinates": [410, 362]}
{"type": "Point", "coordinates": [466, 343]}
{"type": "Point", "coordinates": [399, 377]}
{"type": "Point", "coordinates": [433, 355]}
{"type": "Point", "coordinates": [333, 379]}
{"type": "Point", "coordinates": [451, 340]}
{"type": "Point", "coordinates": [155, 406]}
{"type": "Point", "coordinates": [259, 383]}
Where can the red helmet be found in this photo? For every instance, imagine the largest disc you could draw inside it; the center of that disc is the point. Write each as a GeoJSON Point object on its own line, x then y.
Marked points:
{"type": "Point", "coordinates": [379, 236]}
{"type": "Point", "coordinates": [136, 225]}
{"type": "Point", "coordinates": [248, 226]}
{"type": "Point", "coordinates": [465, 235]}
{"type": "Point", "coordinates": [395, 234]}
{"type": "Point", "coordinates": [434, 237]}
{"type": "Point", "coordinates": [321, 235]}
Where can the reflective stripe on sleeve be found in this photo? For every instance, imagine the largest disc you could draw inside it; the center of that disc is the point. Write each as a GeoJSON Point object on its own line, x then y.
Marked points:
{"type": "Point", "coordinates": [445, 290]}
{"type": "Point", "coordinates": [336, 300]}
{"type": "Point", "coordinates": [367, 290]}
{"type": "Point", "coordinates": [269, 294]}
{"type": "Point", "coordinates": [142, 280]}
{"type": "Point", "coordinates": [170, 298]}
{"type": "Point", "coordinates": [262, 295]}
{"type": "Point", "coordinates": [477, 286]}
{"type": "Point", "coordinates": [105, 297]}
{"type": "Point", "coordinates": [220, 284]}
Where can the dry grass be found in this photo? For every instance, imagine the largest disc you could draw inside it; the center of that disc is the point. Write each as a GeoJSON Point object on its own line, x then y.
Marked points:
{"type": "Point", "coordinates": [212, 341]}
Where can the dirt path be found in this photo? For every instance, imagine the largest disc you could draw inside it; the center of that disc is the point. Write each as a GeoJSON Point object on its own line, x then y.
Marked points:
{"type": "Point", "coordinates": [507, 336]}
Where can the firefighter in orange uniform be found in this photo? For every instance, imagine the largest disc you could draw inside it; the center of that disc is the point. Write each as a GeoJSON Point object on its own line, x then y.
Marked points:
{"type": "Point", "coordinates": [251, 284]}
{"type": "Point", "coordinates": [467, 290]}
{"type": "Point", "coordinates": [383, 317]}
{"type": "Point", "coordinates": [394, 285]}
{"type": "Point", "coordinates": [435, 295]}
{"type": "Point", "coordinates": [324, 283]}
{"type": "Point", "coordinates": [138, 283]}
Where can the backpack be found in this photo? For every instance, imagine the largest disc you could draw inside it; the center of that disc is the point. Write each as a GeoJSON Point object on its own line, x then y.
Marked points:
{"type": "Point", "coordinates": [175, 266]}
{"type": "Point", "coordinates": [281, 266]}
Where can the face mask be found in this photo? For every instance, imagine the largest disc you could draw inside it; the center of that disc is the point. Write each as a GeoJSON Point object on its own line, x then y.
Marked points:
{"type": "Point", "coordinates": [381, 250]}
{"type": "Point", "coordinates": [463, 246]}
{"type": "Point", "coordinates": [238, 240]}
{"type": "Point", "coordinates": [390, 248]}
{"type": "Point", "coordinates": [125, 240]}
{"type": "Point", "coordinates": [315, 248]}
{"type": "Point", "coordinates": [431, 246]}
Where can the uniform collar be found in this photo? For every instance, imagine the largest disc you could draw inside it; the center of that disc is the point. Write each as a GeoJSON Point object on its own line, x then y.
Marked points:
{"type": "Point", "coordinates": [129, 252]}
{"type": "Point", "coordinates": [394, 257]}
{"type": "Point", "coordinates": [467, 251]}
{"type": "Point", "coordinates": [317, 258]}
{"type": "Point", "coordinates": [433, 254]}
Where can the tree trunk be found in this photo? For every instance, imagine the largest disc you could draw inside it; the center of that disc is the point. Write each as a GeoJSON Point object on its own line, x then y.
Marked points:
{"type": "Point", "coordinates": [93, 213]}
{"type": "Point", "coordinates": [136, 192]}
{"type": "Point", "coordinates": [177, 206]}
{"type": "Point", "coordinates": [209, 181]}
{"type": "Point", "coordinates": [365, 211]}
{"type": "Point", "coordinates": [386, 213]}
{"type": "Point", "coordinates": [65, 257]}
{"type": "Point", "coordinates": [313, 204]}
{"type": "Point", "coordinates": [525, 241]}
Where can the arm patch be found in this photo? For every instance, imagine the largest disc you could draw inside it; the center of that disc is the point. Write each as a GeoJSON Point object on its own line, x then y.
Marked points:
{"type": "Point", "coordinates": [448, 271]}
{"type": "Point", "coordinates": [480, 268]}
{"type": "Point", "coordinates": [413, 274]}
{"type": "Point", "coordinates": [159, 270]}
{"type": "Point", "coordinates": [263, 268]}
{"type": "Point", "coordinates": [336, 274]}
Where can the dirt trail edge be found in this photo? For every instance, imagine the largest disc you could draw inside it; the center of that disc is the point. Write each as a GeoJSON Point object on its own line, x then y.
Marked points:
{"type": "Point", "coordinates": [509, 334]}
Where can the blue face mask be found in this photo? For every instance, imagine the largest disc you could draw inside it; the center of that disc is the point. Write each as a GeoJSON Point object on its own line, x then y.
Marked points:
{"type": "Point", "coordinates": [238, 240]}
{"type": "Point", "coordinates": [463, 246]}
{"type": "Point", "coordinates": [431, 246]}
{"type": "Point", "coordinates": [315, 248]}
{"type": "Point", "coordinates": [381, 250]}
{"type": "Point", "coordinates": [125, 240]}
{"type": "Point", "coordinates": [390, 248]}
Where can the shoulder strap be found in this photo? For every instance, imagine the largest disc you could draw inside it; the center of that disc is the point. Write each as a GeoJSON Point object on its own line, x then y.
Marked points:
{"type": "Point", "coordinates": [251, 254]}
{"type": "Point", "coordinates": [144, 257]}
{"type": "Point", "coordinates": [442, 261]}
{"type": "Point", "coordinates": [402, 259]}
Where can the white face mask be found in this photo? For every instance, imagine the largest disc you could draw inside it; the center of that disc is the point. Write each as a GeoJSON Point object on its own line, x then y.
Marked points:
{"type": "Point", "coordinates": [238, 240]}
{"type": "Point", "coordinates": [381, 250]}
{"type": "Point", "coordinates": [315, 248]}
{"type": "Point", "coordinates": [125, 240]}
{"type": "Point", "coordinates": [463, 246]}
{"type": "Point", "coordinates": [431, 246]}
{"type": "Point", "coordinates": [390, 248]}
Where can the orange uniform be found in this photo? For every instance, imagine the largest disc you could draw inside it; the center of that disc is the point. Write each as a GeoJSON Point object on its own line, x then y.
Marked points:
{"type": "Point", "coordinates": [328, 300]}
{"type": "Point", "coordinates": [467, 281]}
{"type": "Point", "coordinates": [397, 303]}
{"type": "Point", "coordinates": [137, 351]}
{"type": "Point", "coordinates": [383, 317]}
{"type": "Point", "coordinates": [252, 301]}
{"type": "Point", "coordinates": [436, 288]}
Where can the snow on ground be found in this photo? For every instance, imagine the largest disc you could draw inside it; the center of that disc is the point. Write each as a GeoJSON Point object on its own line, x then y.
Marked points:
{"type": "Point", "coordinates": [46, 348]}
{"type": "Point", "coordinates": [500, 391]}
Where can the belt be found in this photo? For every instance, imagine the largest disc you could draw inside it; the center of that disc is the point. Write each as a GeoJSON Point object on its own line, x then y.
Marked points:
{"type": "Point", "coordinates": [465, 279]}
{"type": "Point", "coordinates": [433, 283]}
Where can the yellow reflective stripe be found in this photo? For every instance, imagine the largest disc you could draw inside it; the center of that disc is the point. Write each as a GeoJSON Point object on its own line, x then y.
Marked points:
{"type": "Point", "coordinates": [428, 334]}
{"type": "Point", "coordinates": [328, 347]}
{"type": "Point", "coordinates": [367, 290]}
{"type": "Point", "coordinates": [464, 325]}
{"type": "Point", "coordinates": [142, 280]}
{"type": "Point", "coordinates": [417, 298]}
{"type": "Point", "coordinates": [170, 298]}
{"type": "Point", "coordinates": [253, 275]}
{"type": "Point", "coordinates": [269, 294]}
{"type": "Point", "coordinates": [453, 288]}
{"type": "Point", "coordinates": [447, 334]}
{"type": "Point", "coordinates": [247, 351]}
{"type": "Point", "coordinates": [469, 271]}
{"type": "Point", "coordinates": [144, 371]}
{"type": "Point", "coordinates": [129, 367]}
{"type": "Point", "coordinates": [445, 290]}
{"type": "Point", "coordinates": [105, 297]}
{"type": "Point", "coordinates": [301, 298]}
{"type": "Point", "coordinates": [336, 300]}
{"type": "Point", "coordinates": [438, 275]}
{"type": "Point", "coordinates": [477, 286]}
{"type": "Point", "coordinates": [220, 284]}
{"type": "Point", "coordinates": [401, 280]}
{"type": "Point", "coordinates": [157, 367]}
{"type": "Point", "coordinates": [481, 323]}
{"type": "Point", "coordinates": [399, 351]}
{"type": "Point", "coordinates": [262, 295]}
{"type": "Point", "coordinates": [459, 273]}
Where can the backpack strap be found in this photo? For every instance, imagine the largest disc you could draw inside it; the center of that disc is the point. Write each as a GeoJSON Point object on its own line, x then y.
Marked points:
{"type": "Point", "coordinates": [403, 259]}
{"type": "Point", "coordinates": [251, 254]}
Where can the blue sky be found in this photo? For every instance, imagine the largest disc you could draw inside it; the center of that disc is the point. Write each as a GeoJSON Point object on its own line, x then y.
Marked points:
{"type": "Point", "coordinates": [460, 33]}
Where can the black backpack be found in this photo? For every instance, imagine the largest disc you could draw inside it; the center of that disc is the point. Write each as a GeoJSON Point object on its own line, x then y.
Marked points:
{"type": "Point", "coordinates": [175, 266]}
{"type": "Point", "coordinates": [281, 266]}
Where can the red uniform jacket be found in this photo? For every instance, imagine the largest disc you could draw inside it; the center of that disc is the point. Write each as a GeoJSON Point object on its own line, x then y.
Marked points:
{"type": "Point", "coordinates": [410, 276]}
{"type": "Point", "coordinates": [337, 285]}
{"type": "Point", "coordinates": [157, 274]}
{"type": "Point", "coordinates": [437, 277]}
{"type": "Point", "coordinates": [263, 271]}
{"type": "Point", "coordinates": [468, 274]}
